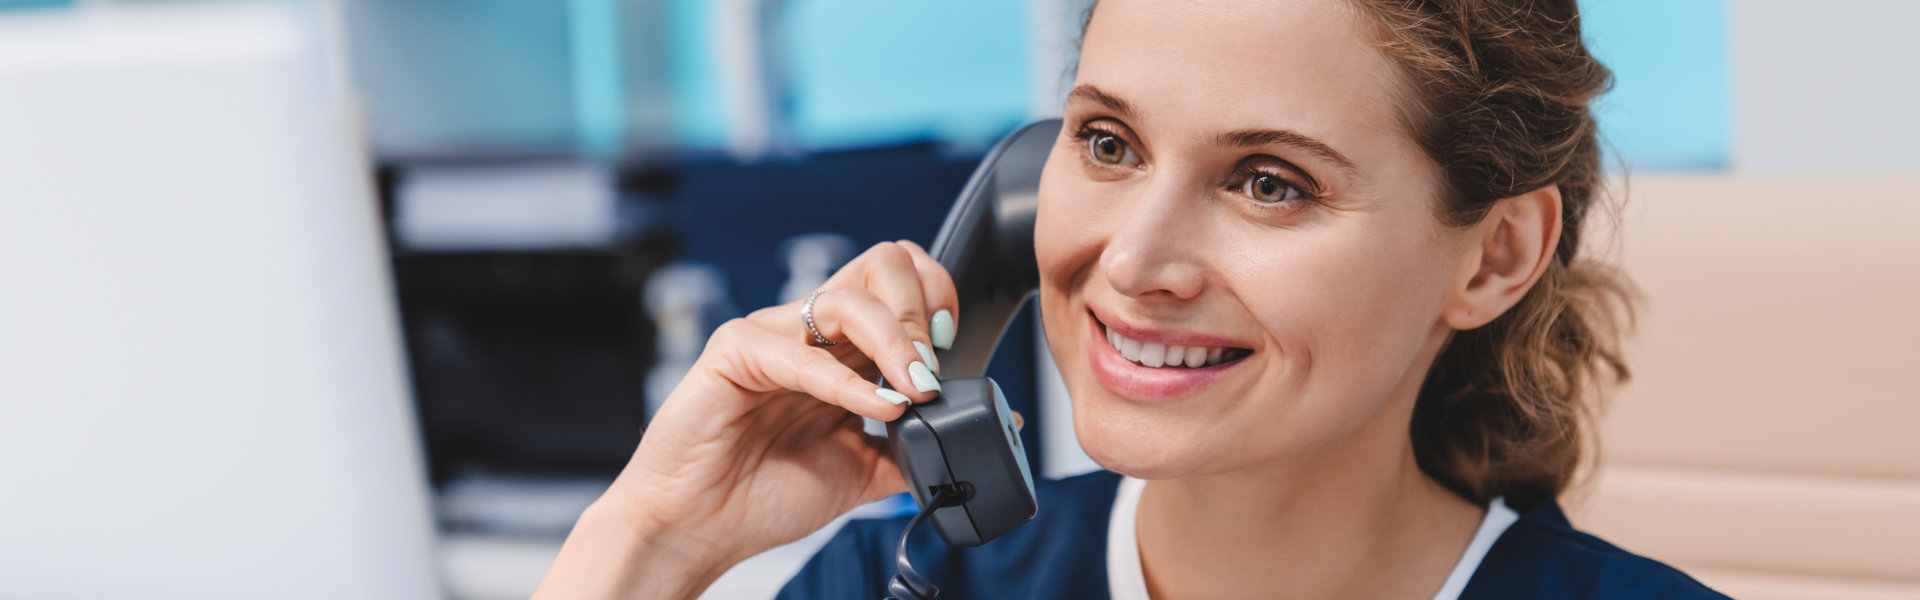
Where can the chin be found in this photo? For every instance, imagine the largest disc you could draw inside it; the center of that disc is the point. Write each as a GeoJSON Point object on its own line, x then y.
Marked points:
{"type": "Point", "coordinates": [1123, 439]}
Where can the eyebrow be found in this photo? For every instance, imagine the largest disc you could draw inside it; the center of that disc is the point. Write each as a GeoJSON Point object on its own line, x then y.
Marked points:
{"type": "Point", "coordinates": [1087, 92]}
{"type": "Point", "coordinates": [1251, 138]}
{"type": "Point", "coordinates": [1244, 138]}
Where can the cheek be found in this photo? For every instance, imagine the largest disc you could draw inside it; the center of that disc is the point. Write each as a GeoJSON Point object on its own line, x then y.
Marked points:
{"type": "Point", "coordinates": [1067, 228]}
{"type": "Point", "coordinates": [1352, 310]}
{"type": "Point", "coordinates": [1063, 249]}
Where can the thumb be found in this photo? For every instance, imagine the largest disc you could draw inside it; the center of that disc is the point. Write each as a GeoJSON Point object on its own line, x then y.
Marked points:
{"type": "Point", "coordinates": [885, 480]}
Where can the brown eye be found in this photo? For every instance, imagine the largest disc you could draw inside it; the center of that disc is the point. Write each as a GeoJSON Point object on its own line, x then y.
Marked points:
{"type": "Point", "coordinates": [1108, 149]}
{"type": "Point", "coordinates": [1268, 189]}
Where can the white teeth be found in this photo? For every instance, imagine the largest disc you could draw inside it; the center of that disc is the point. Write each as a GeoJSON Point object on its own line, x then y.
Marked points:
{"type": "Point", "coordinates": [1196, 356]}
{"type": "Point", "coordinates": [1156, 355]}
{"type": "Point", "coordinates": [1153, 354]}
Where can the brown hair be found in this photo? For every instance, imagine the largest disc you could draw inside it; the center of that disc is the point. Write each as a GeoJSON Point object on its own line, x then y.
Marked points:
{"type": "Point", "coordinates": [1500, 101]}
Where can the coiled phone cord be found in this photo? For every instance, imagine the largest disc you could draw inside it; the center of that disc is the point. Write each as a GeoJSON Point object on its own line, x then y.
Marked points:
{"type": "Point", "coordinates": [907, 584]}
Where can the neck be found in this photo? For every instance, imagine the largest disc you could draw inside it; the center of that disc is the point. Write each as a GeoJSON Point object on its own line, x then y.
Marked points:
{"type": "Point", "coordinates": [1356, 521]}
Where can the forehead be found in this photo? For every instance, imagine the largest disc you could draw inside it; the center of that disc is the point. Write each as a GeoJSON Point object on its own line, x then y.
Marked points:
{"type": "Point", "coordinates": [1206, 66]}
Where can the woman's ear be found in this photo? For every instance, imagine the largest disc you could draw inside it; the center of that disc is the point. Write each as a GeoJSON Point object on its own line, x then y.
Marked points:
{"type": "Point", "coordinates": [1516, 243]}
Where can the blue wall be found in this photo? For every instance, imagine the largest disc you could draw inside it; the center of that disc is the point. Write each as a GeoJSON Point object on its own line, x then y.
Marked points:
{"type": "Point", "coordinates": [876, 72]}
{"type": "Point", "coordinates": [1670, 108]}
{"type": "Point", "coordinates": [871, 72]}
{"type": "Point", "coordinates": [6, 4]}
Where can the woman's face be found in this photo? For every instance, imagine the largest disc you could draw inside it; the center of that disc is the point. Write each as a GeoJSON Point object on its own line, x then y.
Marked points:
{"type": "Point", "coordinates": [1235, 176]}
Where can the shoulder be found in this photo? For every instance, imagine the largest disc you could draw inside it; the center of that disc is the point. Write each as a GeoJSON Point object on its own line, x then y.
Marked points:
{"type": "Point", "coordinates": [1060, 554]}
{"type": "Point", "coordinates": [1543, 556]}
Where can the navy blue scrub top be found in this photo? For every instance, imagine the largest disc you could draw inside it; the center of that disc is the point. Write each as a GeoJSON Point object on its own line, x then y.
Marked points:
{"type": "Point", "coordinates": [1062, 554]}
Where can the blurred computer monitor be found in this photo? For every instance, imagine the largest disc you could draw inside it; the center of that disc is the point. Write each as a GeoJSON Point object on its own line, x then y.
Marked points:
{"type": "Point", "coordinates": [201, 388]}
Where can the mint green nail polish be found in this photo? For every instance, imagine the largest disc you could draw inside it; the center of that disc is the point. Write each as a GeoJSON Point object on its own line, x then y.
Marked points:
{"type": "Point", "coordinates": [892, 396]}
{"type": "Point", "coordinates": [926, 354]}
{"type": "Point", "coordinates": [923, 378]}
{"type": "Point", "coordinates": [943, 331]}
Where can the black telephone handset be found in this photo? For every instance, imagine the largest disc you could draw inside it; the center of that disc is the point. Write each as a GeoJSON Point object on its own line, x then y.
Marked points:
{"type": "Point", "coordinates": [959, 453]}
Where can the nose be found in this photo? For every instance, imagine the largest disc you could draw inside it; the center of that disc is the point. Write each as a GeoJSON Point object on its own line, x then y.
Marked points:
{"type": "Point", "coordinates": [1153, 253]}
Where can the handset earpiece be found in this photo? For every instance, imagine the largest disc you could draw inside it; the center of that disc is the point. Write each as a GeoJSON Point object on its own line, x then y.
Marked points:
{"type": "Point", "coordinates": [964, 442]}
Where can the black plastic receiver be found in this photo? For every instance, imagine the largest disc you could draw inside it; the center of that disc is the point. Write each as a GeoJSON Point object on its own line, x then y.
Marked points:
{"type": "Point", "coordinates": [965, 439]}
{"type": "Point", "coordinates": [978, 453]}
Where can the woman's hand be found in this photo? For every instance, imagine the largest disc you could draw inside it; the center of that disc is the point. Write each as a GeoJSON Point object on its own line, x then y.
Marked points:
{"type": "Point", "coordinates": [761, 443]}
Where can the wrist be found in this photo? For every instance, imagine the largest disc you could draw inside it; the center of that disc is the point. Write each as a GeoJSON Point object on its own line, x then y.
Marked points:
{"type": "Point", "coordinates": [655, 547]}
{"type": "Point", "coordinates": [617, 552]}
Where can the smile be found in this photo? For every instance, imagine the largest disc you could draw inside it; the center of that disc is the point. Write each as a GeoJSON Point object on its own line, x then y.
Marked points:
{"type": "Point", "coordinates": [1155, 355]}
{"type": "Point", "coordinates": [1152, 365]}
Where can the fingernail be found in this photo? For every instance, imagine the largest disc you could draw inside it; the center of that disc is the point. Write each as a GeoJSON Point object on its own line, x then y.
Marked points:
{"type": "Point", "coordinates": [923, 378]}
{"type": "Point", "coordinates": [926, 354]}
{"type": "Point", "coordinates": [892, 396]}
{"type": "Point", "coordinates": [942, 327]}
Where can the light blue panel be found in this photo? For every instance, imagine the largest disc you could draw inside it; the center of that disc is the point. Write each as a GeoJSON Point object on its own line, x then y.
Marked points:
{"type": "Point", "coordinates": [1670, 108]}
{"type": "Point", "coordinates": [599, 115]}
{"type": "Point", "coordinates": [875, 71]}
{"type": "Point", "coordinates": [870, 72]}
{"type": "Point", "coordinates": [699, 117]}
{"type": "Point", "coordinates": [452, 74]}
{"type": "Point", "coordinates": [6, 4]}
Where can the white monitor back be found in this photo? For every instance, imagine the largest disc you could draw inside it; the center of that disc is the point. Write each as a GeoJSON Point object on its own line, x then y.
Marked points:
{"type": "Point", "coordinates": [201, 387]}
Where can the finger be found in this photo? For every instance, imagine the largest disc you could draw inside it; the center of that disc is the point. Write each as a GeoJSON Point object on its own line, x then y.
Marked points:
{"type": "Point", "coordinates": [855, 315]}
{"type": "Point", "coordinates": [939, 293]}
{"type": "Point", "coordinates": [1019, 422]}
{"type": "Point", "coordinates": [890, 274]}
{"type": "Point", "coordinates": [769, 362]}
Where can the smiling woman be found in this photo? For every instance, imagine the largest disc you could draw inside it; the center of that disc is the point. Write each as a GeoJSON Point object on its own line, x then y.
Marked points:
{"type": "Point", "coordinates": [1310, 270]}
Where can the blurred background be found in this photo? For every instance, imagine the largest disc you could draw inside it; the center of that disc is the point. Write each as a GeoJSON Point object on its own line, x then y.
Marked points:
{"type": "Point", "coordinates": [369, 298]}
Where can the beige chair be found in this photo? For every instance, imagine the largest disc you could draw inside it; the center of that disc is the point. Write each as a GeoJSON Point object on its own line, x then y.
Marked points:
{"type": "Point", "coordinates": [1770, 441]}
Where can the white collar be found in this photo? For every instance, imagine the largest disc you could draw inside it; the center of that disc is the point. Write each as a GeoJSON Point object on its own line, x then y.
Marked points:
{"type": "Point", "coordinates": [1127, 581]}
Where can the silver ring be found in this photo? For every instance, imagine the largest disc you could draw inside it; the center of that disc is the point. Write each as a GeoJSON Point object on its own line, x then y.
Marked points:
{"type": "Point", "coordinates": [806, 316]}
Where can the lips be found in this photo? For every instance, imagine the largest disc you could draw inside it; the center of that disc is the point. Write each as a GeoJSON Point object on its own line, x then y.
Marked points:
{"type": "Point", "coordinates": [1157, 365]}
